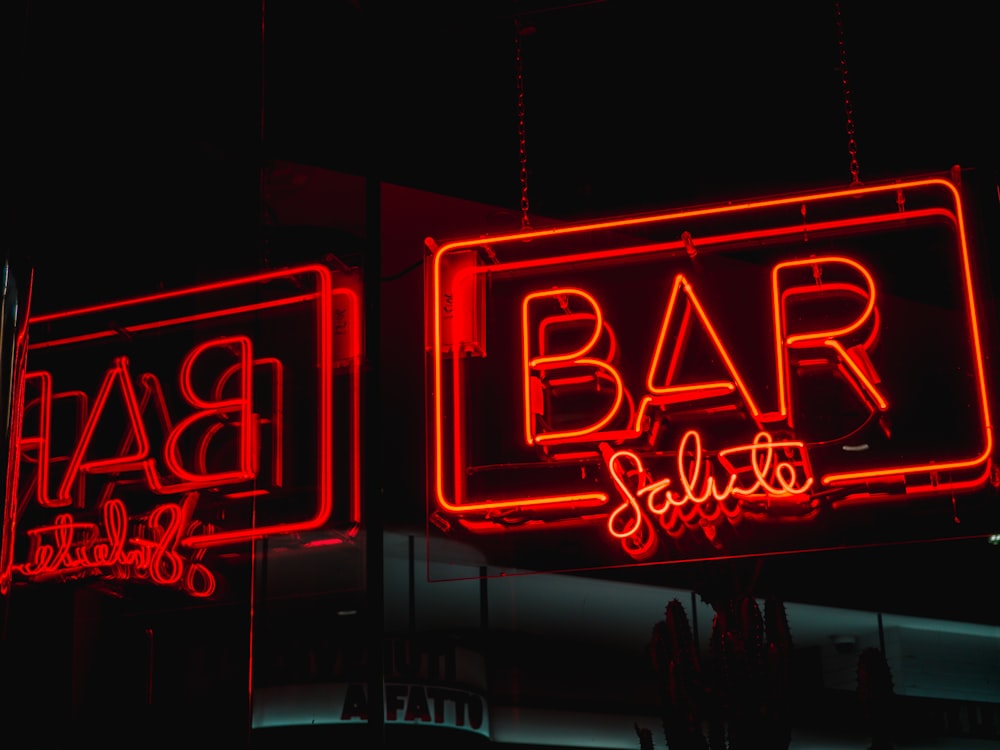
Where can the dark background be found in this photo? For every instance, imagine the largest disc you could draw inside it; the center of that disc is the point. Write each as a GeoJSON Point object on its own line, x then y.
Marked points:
{"type": "Point", "coordinates": [142, 132]}
{"type": "Point", "coordinates": [144, 137]}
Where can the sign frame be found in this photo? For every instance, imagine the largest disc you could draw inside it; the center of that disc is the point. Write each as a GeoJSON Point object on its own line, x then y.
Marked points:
{"type": "Point", "coordinates": [326, 302]}
{"type": "Point", "coordinates": [461, 276]}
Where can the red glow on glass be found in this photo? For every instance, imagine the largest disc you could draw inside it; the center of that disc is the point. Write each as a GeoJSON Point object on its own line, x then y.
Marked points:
{"type": "Point", "coordinates": [213, 428]}
{"type": "Point", "coordinates": [237, 411]}
{"type": "Point", "coordinates": [852, 359]}
{"type": "Point", "coordinates": [331, 542]}
{"type": "Point", "coordinates": [779, 322]}
{"type": "Point", "coordinates": [68, 548]}
{"type": "Point", "coordinates": [545, 364]}
{"type": "Point", "coordinates": [702, 496]}
{"type": "Point", "coordinates": [666, 392]}
{"type": "Point", "coordinates": [116, 377]}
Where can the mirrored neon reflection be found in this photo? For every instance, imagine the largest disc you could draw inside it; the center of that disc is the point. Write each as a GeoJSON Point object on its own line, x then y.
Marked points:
{"type": "Point", "coordinates": [162, 544]}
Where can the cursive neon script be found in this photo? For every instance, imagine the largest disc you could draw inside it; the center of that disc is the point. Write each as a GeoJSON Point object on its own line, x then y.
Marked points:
{"type": "Point", "coordinates": [73, 548]}
{"type": "Point", "coordinates": [765, 476]}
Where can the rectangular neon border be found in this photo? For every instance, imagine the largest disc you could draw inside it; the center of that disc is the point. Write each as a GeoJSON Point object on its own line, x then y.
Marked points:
{"type": "Point", "coordinates": [324, 344]}
{"type": "Point", "coordinates": [597, 498]}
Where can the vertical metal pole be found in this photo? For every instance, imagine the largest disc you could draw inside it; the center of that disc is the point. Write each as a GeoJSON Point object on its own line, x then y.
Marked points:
{"type": "Point", "coordinates": [15, 304]}
{"type": "Point", "coordinates": [412, 590]}
{"type": "Point", "coordinates": [150, 665]}
{"type": "Point", "coordinates": [484, 602]}
{"type": "Point", "coordinates": [372, 482]}
{"type": "Point", "coordinates": [372, 475]}
{"type": "Point", "coordinates": [484, 628]}
{"type": "Point", "coordinates": [694, 620]}
{"type": "Point", "coordinates": [371, 403]}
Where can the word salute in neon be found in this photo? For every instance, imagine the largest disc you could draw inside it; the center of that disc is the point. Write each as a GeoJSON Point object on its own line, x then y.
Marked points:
{"type": "Point", "coordinates": [746, 365]}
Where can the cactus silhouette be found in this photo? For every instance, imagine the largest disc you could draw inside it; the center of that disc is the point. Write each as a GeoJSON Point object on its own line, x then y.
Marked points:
{"type": "Point", "coordinates": [777, 717]}
{"type": "Point", "coordinates": [740, 651]}
{"type": "Point", "coordinates": [739, 701]}
{"type": "Point", "coordinates": [645, 738]}
{"type": "Point", "coordinates": [675, 660]}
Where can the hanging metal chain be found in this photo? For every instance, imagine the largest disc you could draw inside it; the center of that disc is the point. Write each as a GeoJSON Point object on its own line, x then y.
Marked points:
{"type": "Point", "coordinates": [852, 146]}
{"type": "Point", "coordinates": [522, 140]}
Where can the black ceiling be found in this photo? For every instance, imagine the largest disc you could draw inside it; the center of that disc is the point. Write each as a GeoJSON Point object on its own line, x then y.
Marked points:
{"type": "Point", "coordinates": [155, 114]}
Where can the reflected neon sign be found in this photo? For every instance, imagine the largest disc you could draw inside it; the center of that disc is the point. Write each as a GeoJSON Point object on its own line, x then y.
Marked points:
{"type": "Point", "coordinates": [111, 550]}
{"type": "Point", "coordinates": [158, 429]}
{"type": "Point", "coordinates": [689, 372]}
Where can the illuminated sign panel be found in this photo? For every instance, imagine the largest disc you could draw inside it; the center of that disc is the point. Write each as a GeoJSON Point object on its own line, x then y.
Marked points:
{"type": "Point", "coordinates": [160, 430]}
{"type": "Point", "coordinates": [428, 682]}
{"type": "Point", "coordinates": [413, 704]}
{"type": "Point", "coordinates": [758, 377]}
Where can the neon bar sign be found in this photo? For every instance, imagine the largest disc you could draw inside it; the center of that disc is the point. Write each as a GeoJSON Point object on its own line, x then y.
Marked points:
{"type": "Point", "coordinates": [725, 380]}
{"type": "Point", "coordinates": [159, 429]}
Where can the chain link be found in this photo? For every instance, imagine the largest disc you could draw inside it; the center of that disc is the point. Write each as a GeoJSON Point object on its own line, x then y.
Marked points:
{"type": "Point", "coordinates": [852, 146]}
{"type": "Point", "coordinates": [522, 140]}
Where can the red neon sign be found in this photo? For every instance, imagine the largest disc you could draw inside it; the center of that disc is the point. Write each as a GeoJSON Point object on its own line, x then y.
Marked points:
{"type": "Point", "coordinates": [696, 383]}
{"type": "Point", "coordinates": [158, 429]}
